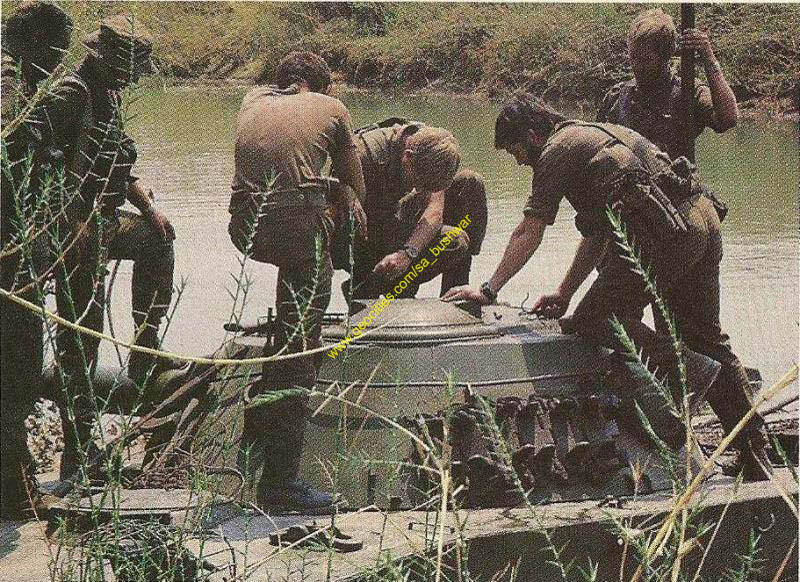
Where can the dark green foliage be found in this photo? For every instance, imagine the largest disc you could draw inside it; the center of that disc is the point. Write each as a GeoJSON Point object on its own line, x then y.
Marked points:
{"type": "Point", "coordinates": [574, 51]}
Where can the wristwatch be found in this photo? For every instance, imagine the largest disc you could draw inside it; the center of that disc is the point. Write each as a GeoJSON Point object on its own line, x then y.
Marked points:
{"type": "Point", "coordinates": [487, 291]}
{"type": "Point", "coordinates": [411, 251]}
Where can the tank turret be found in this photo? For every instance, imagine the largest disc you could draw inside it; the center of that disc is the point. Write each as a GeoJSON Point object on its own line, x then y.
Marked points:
{"type": "Point", "coordinates": [497, 388]}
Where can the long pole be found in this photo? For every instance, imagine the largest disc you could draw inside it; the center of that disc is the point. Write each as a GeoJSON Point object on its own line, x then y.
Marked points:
{"type": "Point", "coordinates": [687, 82]}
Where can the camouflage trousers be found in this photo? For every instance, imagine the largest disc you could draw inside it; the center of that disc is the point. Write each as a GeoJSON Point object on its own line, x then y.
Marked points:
{"type": "Point", "coordinates": [296, 240]}
{"type": "Point", "coordinates": [80, 297]}
{"type": "Point", "coordinates": [687, 274]}
{"type": "Point", "coordinates": [466, 197]}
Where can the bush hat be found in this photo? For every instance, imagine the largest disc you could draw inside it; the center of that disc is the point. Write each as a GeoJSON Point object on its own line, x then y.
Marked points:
{"type": "Point", "coordinates": [121, 42]}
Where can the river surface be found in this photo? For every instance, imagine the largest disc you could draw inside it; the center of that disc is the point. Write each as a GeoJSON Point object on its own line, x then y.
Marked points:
{"type": "Point", "coordinates": [185, 141]}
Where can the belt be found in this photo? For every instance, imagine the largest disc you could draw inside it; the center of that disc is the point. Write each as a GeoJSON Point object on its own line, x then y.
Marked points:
{"type": "Point", "coordinates": [313, 197]}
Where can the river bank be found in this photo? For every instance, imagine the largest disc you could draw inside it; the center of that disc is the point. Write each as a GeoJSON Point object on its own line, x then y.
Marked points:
{"type": "Point", "coordinates": [755, 110]}
{"type": "Point", "coordinates": [573, 52]}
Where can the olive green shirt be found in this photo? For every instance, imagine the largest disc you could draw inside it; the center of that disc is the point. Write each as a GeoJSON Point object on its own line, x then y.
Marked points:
{"type": "Point", "coordinates": [380, 151]}
{"type": "Point", "coordinates": [288, 137]}
{"type": "Point", "coordinates": [575, 163]}
{"type": "Point", "coordinates": [658, 117]}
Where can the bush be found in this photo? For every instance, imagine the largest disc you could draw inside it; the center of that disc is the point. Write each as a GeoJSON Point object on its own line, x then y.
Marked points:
{"type": "Point", "coordinates": [574, 51]}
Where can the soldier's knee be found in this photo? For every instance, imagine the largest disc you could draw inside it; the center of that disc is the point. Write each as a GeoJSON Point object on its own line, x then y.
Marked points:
{"type": "Point", "coordinates": [465, 203]}
{"type": "Point", "coordinates": [468, 191]}
{"type": "Point", "coordinates": [157, 255]}
{"type": "Point", "coordinates": [468, 180]}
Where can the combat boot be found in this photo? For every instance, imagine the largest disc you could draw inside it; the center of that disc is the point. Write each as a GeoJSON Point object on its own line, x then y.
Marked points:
{"type": "Point", "coordinates": [296, 495]}
{"type": "Point", "coordinates": [281, 440]}
{"type": "Point", "coordinates": [730, 400]}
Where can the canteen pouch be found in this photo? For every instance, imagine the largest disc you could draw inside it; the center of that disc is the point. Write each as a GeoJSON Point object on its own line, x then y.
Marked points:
{"type": "Point", "coordinates": [636, 196]}
{"type": "Point", "coordinates": [679, 182]}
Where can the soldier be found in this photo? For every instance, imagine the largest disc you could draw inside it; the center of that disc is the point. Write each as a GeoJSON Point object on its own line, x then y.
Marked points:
{"type": "Point", "coordinates": [414, 192]}
{"type": "Point", "coordinates": [85, 114]}
{"type": "Point", "coordinates": [285, 134]}
{"type": "Point", "coordinates": [650, 103]}
{"type": "Point", "coordinates": [677, 232]}
{"type": "Point", "coordinates": [35, 39]}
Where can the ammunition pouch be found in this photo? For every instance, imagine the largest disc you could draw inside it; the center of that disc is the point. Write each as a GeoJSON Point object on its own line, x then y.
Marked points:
{"type": "Point", "coordinates": [637, 197]}
{"type": "Point", "coordinates": [716, 201]}
{"type": "Point", "coordinates": [656, 191]}
{"type": "Point", "coordinates": [679, 182]}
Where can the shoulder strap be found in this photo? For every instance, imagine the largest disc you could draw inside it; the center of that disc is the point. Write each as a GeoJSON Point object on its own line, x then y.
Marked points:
{"type": "Point", "coordinates": [388, 122]}
{"type": "Point", "coordinates": [639, 145]}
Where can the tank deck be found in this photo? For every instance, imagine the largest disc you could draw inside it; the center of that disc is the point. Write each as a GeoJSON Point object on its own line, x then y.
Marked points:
{"type": "Point", "coordinates": [498, 538]}
{"type": "Point", "coordinates": [495, 537]}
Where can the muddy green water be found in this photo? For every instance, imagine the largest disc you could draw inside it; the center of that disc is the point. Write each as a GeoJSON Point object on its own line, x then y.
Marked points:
{"type": "Point", "coordinates": [185, 141]}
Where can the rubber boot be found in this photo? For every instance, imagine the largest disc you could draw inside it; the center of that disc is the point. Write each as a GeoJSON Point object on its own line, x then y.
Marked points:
{"type": "Point", "coordinates": [729, 398]}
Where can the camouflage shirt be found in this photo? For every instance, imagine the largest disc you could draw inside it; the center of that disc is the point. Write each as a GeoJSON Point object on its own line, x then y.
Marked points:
{"type": "Point", "coordinates": [658, 119]}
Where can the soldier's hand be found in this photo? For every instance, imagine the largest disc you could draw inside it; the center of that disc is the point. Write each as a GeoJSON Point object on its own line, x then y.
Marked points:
{"type": "Point", "coordinates": [466, 293]}
{"type": "Point", "coordinates": [359, 217]}
{"type": "Point", "coordinates": [698, 40]}
{"type": "Point", "coordinates": [552, 306]}
{"type": "Point", "coordinates": [160, 222]}
{"type": "Point", "coordinates": [393, 266]}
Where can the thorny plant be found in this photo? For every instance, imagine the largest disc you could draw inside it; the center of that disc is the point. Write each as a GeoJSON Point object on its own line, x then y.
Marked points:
{"type": "Point", "coordinates": [149, 550]}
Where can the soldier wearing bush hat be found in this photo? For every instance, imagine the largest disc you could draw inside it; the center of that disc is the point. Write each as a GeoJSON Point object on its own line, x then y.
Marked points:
{"type": "Point", "coordinates": [123, 46]}
{"type": "Point", "coordinates": [99, 155]}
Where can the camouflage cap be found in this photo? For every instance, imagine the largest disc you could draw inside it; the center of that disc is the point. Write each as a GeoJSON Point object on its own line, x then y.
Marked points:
{"type": "Point", "coordinates": [119, 40]}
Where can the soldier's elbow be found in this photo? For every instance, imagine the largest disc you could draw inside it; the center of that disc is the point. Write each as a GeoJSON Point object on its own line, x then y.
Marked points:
{"type": "Point", "coordinates": [728, 120]}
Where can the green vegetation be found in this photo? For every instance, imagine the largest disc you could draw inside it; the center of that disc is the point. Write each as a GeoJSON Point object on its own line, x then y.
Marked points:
{"type": "Point", "coordinates": [573, 51]}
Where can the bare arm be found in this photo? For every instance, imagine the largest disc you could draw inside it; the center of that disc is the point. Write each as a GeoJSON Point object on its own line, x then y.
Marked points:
{"type": "Point", "coordinates": [143, 202]}
{"type": "Point", "coordinates": [524, 241]}
{"type": "Point", "coordinates": [726, 111]}
{"type": "Point", "coordinates": [347, 166]}
{"type": "Point", "coordinates": [430, 223]}
{"type": "Point", "coordinates": [428, 226]}
{"type": "Point", "coordinates": [587, 256]}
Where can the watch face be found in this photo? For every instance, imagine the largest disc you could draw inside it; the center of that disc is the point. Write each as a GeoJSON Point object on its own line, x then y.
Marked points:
{"type": "Point", "coordinates": [411, 251]}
